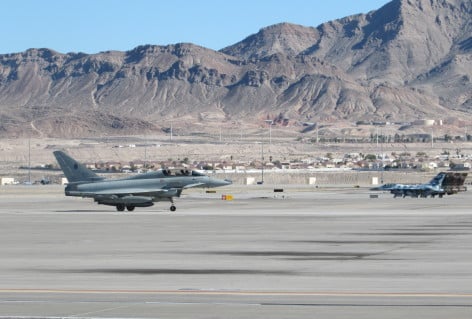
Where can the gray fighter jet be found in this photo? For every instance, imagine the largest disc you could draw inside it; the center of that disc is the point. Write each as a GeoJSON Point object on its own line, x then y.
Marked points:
{"type": "Point", "coordinates": [141, 190]}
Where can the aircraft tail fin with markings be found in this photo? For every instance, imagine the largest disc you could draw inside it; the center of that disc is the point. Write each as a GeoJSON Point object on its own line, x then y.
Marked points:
{"type": "Point", "coordinates": [73, 170]}
{"type": "Point", "coordinates": [438, 179]}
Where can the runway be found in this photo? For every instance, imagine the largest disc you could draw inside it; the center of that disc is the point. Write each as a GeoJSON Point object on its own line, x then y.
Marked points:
{"type": "Point", "coordinates": [303, 253]}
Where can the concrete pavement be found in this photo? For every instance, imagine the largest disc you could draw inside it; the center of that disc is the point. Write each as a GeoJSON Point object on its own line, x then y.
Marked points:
{"type": "Point", "coordinates": [303, 253]}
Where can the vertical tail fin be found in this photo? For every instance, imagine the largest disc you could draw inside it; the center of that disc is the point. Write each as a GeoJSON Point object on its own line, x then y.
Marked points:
{"type": "Point", "coordinates": [74, 171]}
{"type": "Point", "coordinates": [438, 179]}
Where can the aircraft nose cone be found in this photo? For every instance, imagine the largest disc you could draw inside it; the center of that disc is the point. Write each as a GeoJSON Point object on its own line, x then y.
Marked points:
{"type": "Point", "coordinates": [220, 182]}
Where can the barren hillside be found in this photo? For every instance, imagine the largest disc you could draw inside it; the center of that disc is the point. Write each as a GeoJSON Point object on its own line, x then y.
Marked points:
{"type": "Point", "coordinates": [408, 60]}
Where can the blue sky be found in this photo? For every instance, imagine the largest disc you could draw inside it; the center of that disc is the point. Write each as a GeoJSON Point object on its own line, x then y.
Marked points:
{"type": "Point", "coordinates": [92, 26]}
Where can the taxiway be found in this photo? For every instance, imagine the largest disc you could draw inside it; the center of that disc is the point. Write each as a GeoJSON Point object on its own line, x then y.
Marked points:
{"type": "Point", "coordinates": [303, 253]}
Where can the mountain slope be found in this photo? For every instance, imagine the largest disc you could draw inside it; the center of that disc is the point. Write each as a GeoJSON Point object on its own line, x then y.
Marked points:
{"type": "Point", "coordinates": [408, 60]}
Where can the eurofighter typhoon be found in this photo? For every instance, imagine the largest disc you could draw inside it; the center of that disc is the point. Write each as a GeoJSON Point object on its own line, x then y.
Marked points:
{"type": "Point", "coordinates": [141, 190]}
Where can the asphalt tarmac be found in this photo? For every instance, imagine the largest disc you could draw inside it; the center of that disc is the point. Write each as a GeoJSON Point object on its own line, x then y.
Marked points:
{"type": "Point", "coordinates": [302, 253]}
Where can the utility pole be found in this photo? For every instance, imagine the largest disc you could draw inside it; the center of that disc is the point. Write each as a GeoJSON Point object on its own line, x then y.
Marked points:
{"type": "Point", "coordinates": [262, 162]}
{"type": "Point", "coordinates": [29, 161]}
{"type": "Point", "coordinates": [382, 163]}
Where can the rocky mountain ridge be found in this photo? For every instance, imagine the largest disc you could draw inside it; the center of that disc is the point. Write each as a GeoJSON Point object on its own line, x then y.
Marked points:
{"type": "Point", "coordinates": [410, 59]}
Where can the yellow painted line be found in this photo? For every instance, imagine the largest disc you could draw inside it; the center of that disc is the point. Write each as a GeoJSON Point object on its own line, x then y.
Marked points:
{"type": "Point", "coordinates": [239, 292]}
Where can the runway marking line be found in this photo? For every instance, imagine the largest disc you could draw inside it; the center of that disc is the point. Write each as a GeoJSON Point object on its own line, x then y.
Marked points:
{"type": "Point", "coordinates": [239, 292]}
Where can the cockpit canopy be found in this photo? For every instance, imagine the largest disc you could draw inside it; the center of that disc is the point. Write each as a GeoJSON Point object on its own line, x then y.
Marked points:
{"type": "Point", "coordinates": [162, 173]}
{"type": "Point", "coordinates": [180, 172]}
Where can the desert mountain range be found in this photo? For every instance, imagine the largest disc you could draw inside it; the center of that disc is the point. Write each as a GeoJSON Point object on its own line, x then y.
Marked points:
{"type": "Point", "coordinates": [408, 60]}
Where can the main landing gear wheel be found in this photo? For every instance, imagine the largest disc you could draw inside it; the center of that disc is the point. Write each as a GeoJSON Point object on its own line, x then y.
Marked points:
{"type": "Point", "coordinates": [120, 207]}
{"type": "Point", "coordinates": [173, 208]}
{"type": "Point", "coordinates": [130, 208]}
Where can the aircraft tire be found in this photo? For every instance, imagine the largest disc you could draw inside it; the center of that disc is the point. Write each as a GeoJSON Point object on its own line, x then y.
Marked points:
{"type": "Point", "coordinates": [120, 207]}
{"type": "Point", "coordinates": [173, 208]}
{"type": "Point", "coordinates": [130, 208]}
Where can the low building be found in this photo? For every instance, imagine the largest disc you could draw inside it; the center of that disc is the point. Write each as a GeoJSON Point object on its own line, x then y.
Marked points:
{"type": "Point", "coordinates": [7, 181]}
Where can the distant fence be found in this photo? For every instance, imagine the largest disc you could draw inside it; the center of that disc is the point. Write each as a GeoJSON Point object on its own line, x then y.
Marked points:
{"type": "Point", "coordinates": [347, 178]}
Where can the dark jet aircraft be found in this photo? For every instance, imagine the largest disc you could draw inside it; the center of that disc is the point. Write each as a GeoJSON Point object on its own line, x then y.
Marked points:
{"type": "Point", "coordinates": [141, 190]}
{"type": "Point", "coordinates": [444, 183]}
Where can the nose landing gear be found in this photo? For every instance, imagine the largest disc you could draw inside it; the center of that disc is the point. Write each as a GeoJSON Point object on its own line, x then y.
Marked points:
{"type": "Point", "coordinates": [172, 206]}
